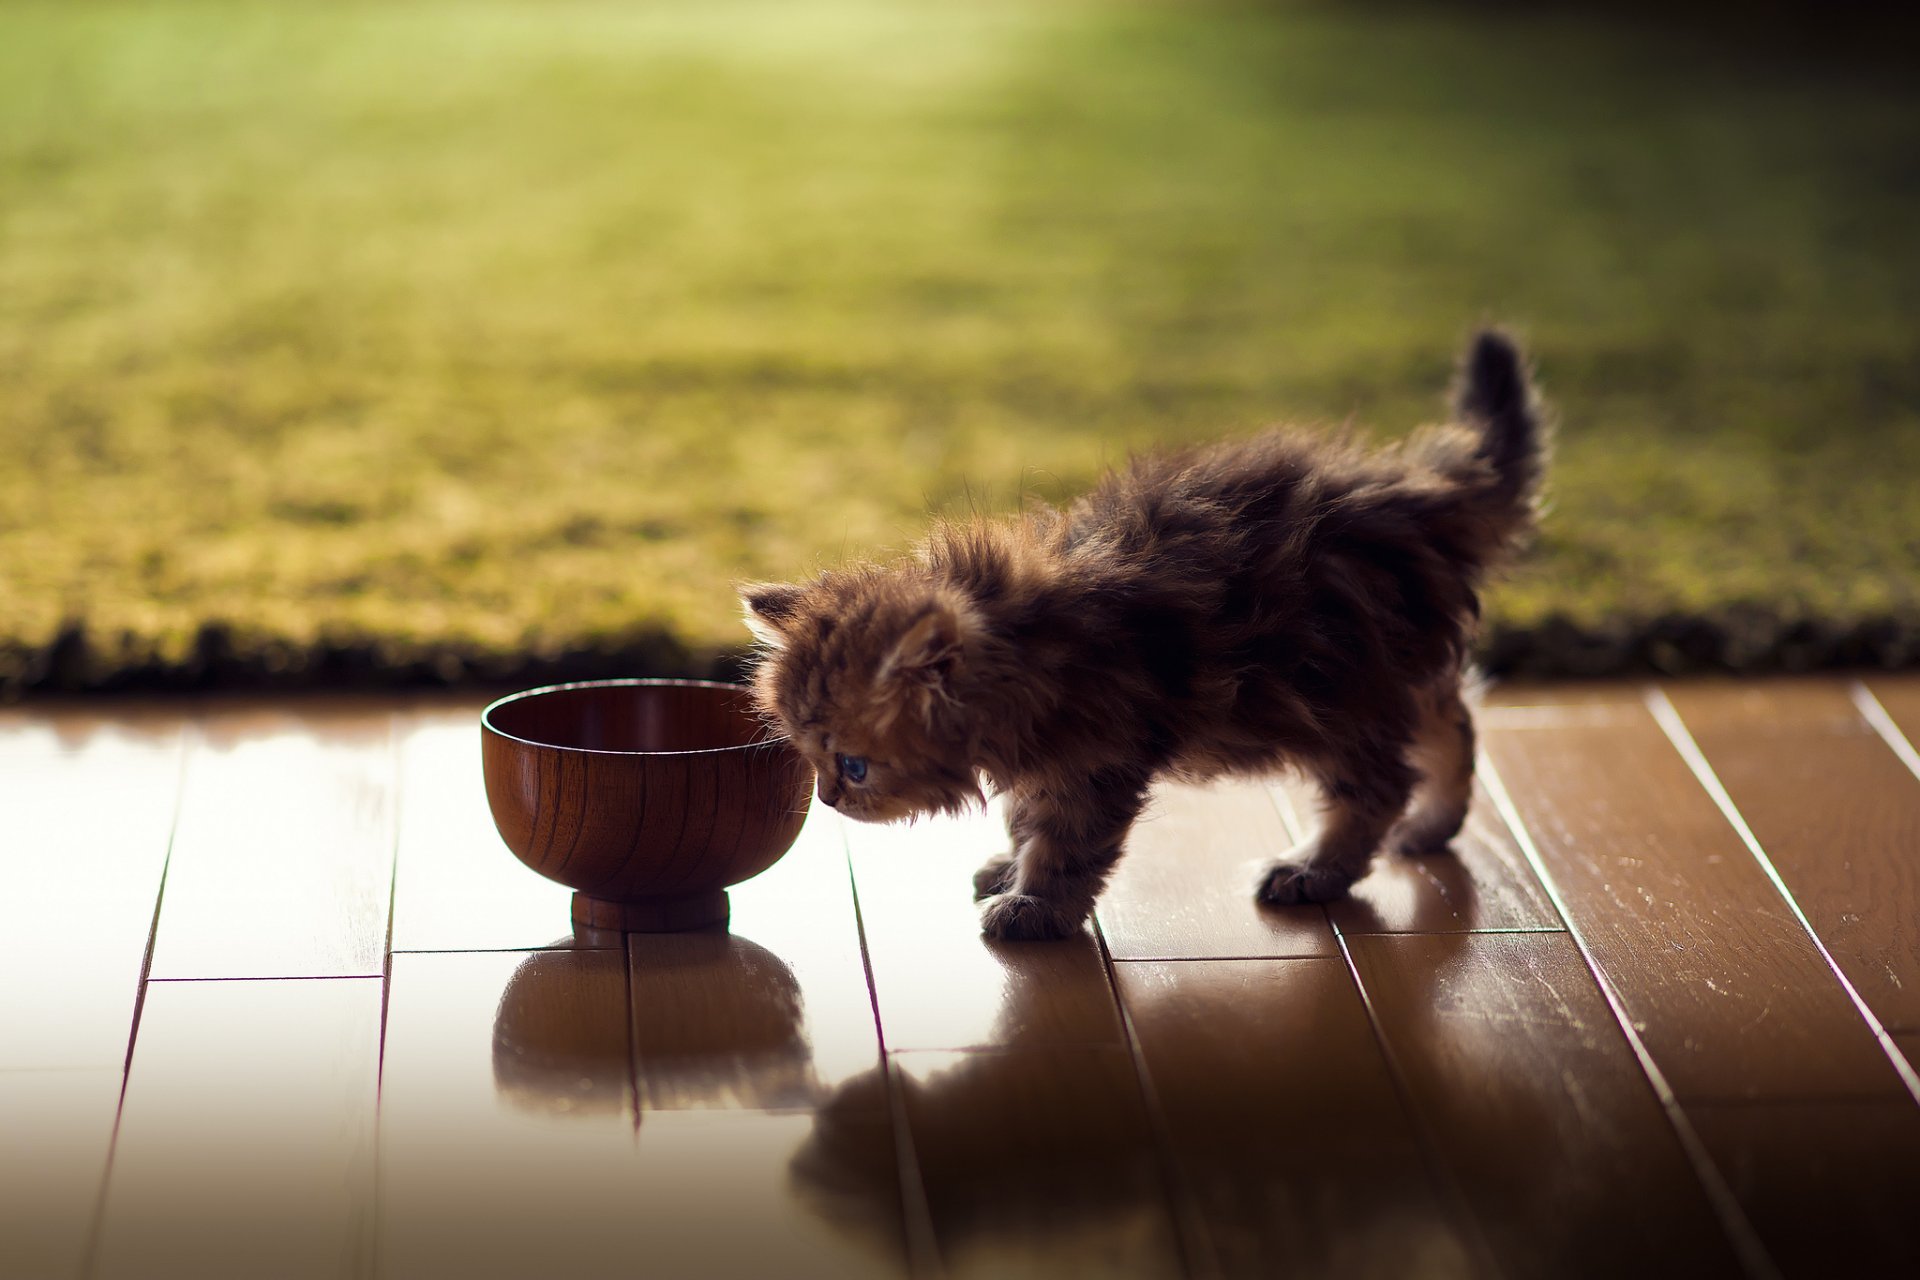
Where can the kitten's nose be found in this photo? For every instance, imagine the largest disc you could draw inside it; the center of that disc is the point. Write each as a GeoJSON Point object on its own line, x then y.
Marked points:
{"type": "Point", "coordinates": [829, 792]}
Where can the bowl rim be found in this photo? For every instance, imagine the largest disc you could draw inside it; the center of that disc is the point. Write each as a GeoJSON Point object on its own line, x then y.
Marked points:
{"type": "Point", "coordinates": [488, 726]}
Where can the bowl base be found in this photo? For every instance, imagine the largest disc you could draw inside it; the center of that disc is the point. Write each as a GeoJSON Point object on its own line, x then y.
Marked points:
{"type": "Point", "coordinates": [653, 915]}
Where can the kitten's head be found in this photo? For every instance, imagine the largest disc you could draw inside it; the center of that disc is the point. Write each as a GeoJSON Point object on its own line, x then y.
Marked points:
{"type": "Point", "coordinates": [867, 673]}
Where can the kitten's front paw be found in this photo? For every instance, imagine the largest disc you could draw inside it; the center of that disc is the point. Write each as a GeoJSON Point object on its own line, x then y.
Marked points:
{"type": "Point", "coordinates": [1290, 884]}
{"type": "Point", "coordinates": [1021, 917]}
{"type": "Point", "coordinates": [995, 877]}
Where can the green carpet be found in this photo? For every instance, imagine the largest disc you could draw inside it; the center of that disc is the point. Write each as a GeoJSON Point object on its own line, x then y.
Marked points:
{"type": "Point", "coordinates": [479, 340]}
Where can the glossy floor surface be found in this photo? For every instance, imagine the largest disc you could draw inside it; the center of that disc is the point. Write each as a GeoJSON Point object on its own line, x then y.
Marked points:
{"type": "Point", "coordinates": [277, 1002]}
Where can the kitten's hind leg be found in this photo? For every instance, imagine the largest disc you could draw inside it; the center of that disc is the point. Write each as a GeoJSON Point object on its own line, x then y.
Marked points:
{"type": "Point", "coordinates": [1364, 795]}
{"type": "Point", "coordinates": [995, 875]}
{"type": "Point", "coordinates": [1443, 753]}
{"type": "Point", "coordinates": [1067, 840]}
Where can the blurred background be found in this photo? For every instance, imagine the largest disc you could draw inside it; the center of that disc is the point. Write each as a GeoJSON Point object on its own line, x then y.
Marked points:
{"type": "Point", "coordinates": [471, 340]}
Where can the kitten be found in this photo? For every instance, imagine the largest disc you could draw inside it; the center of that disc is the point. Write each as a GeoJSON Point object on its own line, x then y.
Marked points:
{"type": "Point", "coordinates": [1285, 600]}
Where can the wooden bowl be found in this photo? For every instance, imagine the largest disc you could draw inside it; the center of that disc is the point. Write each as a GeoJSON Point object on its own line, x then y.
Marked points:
{"type": "Point", "coordinates": [646, 797]}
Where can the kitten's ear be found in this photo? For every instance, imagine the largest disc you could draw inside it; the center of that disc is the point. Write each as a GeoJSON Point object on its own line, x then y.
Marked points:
{"type": "Point", "coordinates": [770, 609]}
{"type": "Point", "coordinates": [929, 651]}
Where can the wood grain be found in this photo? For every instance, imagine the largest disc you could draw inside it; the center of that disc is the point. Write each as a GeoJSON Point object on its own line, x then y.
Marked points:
{"type": "Point", "coordinates": [282, 862]}
{"type": "Point", "coordinates": [774, 1012]}
{"type": "Point", "coordinates": [87, 815]}
{"type": "Point", "coordinates": [509, 1142]}
{"type": "Point", "coordinates": [1483, 883]}
{"type": "Point", "coordinates": [246, 1138]}
{"type": "Point", "coordinates": [1730, 994]}
{"type": "Point", "coordinates": [1185, 886]}
{"type": "Point", "coordinates": [1291, 1146]}
{"type": "Point", "coordinates": [1038, 1162]}
{"type": "Point", "coordinates": [1837, 813]}
{"type": "Point", "coordinates": [937, 983]}
{"type": "Point", "coordinates": [457, 887]}
{"type": "Point", "coordinates": [648, 797]}
{"type": "Point", "coordinates": [59, 1128]}
{"type": "Point", "coordinates": [1538, 1107]}
{"type": "Point", "coordinates": [1830, 1186]}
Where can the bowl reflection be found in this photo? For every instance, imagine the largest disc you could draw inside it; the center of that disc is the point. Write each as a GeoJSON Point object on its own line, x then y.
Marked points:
{"type": "Point", "coordinates": [560, 1040]}
{"type": "Point", "coordinates": [674, 1021]}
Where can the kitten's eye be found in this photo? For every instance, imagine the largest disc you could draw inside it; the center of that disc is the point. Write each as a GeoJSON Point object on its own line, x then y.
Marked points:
{"type": "Point", "coordinates": [853, 768]}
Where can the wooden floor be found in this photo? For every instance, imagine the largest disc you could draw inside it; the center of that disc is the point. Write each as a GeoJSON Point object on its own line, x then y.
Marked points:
{"type": "Point", "coordinates": [275, 1001]}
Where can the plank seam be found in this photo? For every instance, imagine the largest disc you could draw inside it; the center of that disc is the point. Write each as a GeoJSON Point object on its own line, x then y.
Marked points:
{"type": "Point", "coordinates": [98, 1222]}
{"type": "Point", "coordinates": [1327, 955]}
{"type": "Point", "coordinates": [1459, 1207]}
{"type": "Point", "coordinates": [1668, 717]}
{"type": "Point", "coordinates": [916, 1217]}
{"type": "Point", "coordinates": [398, 773]}
{"type": "Point", "coordinates": [573, 945]}
{"type": "Point", "coordinates": [1189, 1226]}
{"type": "Point", "coordinates": [1424, 1137]}
{"type": "Point", "coordinates": [1733, 1218]}
{"type": "Point", "coordinates": [272, 977]}
{"type": "Point", "coordinates": [633, 1030]}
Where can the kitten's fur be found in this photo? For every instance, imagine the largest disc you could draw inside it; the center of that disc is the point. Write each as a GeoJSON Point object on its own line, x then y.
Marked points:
{"type": "Point", "coordinates": [1283, 600]}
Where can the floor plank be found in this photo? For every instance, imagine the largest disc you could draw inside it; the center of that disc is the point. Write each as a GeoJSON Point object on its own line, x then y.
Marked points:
{"type": "Point", "coordinates": [1838, 815]}
{"type": "Point", "coordinates": [457, 887]}
{"type": "Point", "coordinates": [1514, 1063]}
{"type": "Point", "coordinates": [246, 1138]}
{"type": "Point", "coordinates": [939, 984]}
{"type": "Point", "coordinates": [506, 1125]}
{"type": "Point", "coordinates": [1185, 887]}
{"type": "Point", "coordinates": [1038, 1162]}
{"type": "Point", "coordinates": [1290, 1142]}
{"type": "Point", "coordinates": [1728, 992]}
{"type": "Point", "coordinates": [282, 862]}
{"type": "Point", "coordinates": [87, 818]}
{"type": "Point", "coordinates": [58, 1127]}
{"type": "Point", "coordinates": [773, 1012]}
{"type": "Point", "coordinates": [1829, 1186]}
{"type": "Point", "coordinates": [508, 1140]}
{"type": "Point", "coordinates": [1484, 883]}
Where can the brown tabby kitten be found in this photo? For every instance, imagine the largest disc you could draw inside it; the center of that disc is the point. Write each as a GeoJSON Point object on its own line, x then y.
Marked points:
{"type": "Point", "coordinates": [1282, 600]}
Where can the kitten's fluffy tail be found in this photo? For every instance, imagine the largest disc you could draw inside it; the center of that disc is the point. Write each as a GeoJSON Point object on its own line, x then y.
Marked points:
{"type": "Point", "coordinates": [1496, 396]}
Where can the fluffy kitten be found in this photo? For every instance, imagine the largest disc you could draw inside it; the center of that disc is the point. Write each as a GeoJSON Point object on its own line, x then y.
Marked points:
{"type": "Point", "coordinates": [1282, 600]}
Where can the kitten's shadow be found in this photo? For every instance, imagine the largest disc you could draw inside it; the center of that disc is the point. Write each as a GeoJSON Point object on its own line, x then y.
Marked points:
{"type": "Point", "coordinates": [1427, 893]}
{"type": "Point", "coordinates": [1005, 1166]}
{"type": "Point", "coordinates": [1008, 1165]}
